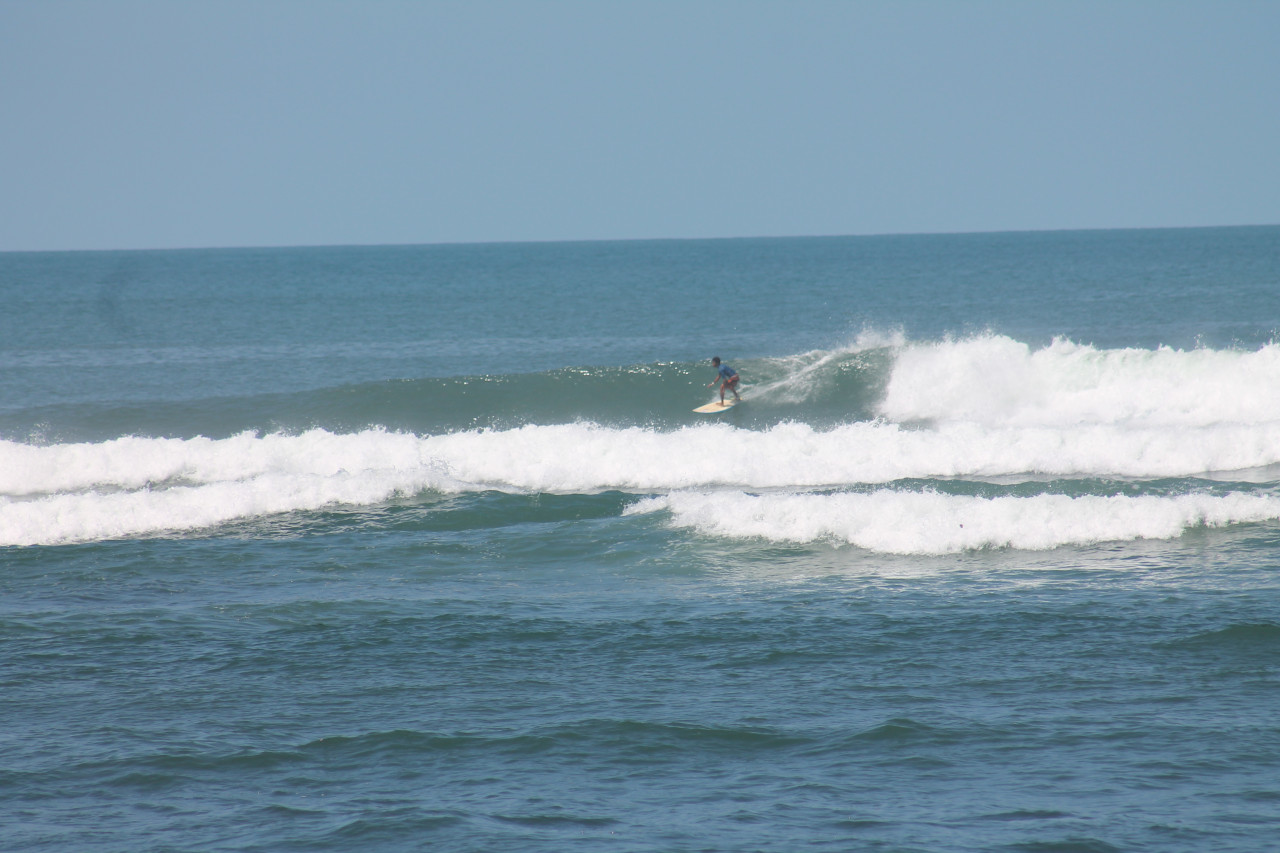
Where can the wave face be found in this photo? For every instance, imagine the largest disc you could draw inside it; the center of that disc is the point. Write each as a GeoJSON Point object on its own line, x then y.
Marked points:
{"type": "Point", "coordinates": [864, 445]}
{"type": "Point", "coordinates": [825, 388]}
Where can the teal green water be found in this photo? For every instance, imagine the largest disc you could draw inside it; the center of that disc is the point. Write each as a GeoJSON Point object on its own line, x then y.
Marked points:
{"type": "Point", "coordinates": [417, 548]}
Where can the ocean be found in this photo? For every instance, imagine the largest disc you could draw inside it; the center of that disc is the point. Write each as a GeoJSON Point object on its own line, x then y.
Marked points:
{"type": "Point", "coordinates": [423, 547]}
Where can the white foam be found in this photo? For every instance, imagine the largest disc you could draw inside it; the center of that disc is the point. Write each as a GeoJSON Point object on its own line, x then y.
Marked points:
{"type": "Point", "coordinates": [587, 458]}
{"type": "Point", "coordinates": [95, 516]}
{"type": "Point", "coordinates": [921, 523]}
{"type": "Point", "coordinates": [996, 380]}
{"type": "Point", "coordinates": [141, 486]}
{"type": "Point", "coordinates": [131, 462]}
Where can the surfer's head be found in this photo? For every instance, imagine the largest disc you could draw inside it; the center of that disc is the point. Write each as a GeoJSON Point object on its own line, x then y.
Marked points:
{"type": "Point", "coordinates": [715, 361]}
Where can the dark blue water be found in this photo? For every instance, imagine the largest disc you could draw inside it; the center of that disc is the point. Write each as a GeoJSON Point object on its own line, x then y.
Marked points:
{"type": "Point", "coordinates": [423, 548]}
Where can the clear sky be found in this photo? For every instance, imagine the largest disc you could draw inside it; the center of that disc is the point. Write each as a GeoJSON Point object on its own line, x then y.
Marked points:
{"type": "Point", "coordinates": [160, 123]}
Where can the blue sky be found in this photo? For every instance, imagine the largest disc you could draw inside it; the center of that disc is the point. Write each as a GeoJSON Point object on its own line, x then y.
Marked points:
{"type": "Point", "coordinates": [133, 124]}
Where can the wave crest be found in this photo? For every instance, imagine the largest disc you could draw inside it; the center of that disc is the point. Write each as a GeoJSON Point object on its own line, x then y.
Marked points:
{"type": "Point", "coordinates": [996, 380]}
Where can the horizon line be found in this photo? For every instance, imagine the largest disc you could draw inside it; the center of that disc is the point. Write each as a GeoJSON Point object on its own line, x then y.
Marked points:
{"type": "Point", "coordinates": [582, 240]}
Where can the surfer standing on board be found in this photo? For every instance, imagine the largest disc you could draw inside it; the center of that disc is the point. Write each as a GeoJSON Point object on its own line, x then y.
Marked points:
{"type": "Point", "coordinates": [727, 377]}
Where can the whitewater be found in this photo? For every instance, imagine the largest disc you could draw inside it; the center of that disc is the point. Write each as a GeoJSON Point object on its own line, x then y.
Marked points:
{"type": "Point", "coordinates": [988, 409]}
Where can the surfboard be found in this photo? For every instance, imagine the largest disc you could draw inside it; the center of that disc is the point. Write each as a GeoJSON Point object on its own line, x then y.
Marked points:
{"type": "Point", "coordinates": [717, 406]}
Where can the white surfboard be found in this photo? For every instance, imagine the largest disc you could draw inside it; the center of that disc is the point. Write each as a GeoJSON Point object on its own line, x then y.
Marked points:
{"type": "Point", "coordinates": [717, 406]}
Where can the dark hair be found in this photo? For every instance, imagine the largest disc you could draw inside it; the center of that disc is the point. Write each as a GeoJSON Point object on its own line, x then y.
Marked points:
{"type": "Point", "coordinates": [715, 359]}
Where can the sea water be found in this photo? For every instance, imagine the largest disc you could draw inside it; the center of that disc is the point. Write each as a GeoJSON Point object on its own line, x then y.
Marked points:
{"type": "Point", "coordinates": [423, 548]}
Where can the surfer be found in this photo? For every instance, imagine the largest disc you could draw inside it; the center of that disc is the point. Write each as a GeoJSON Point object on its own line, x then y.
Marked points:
{"type": "Point", "coordinates": [727, 377]}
